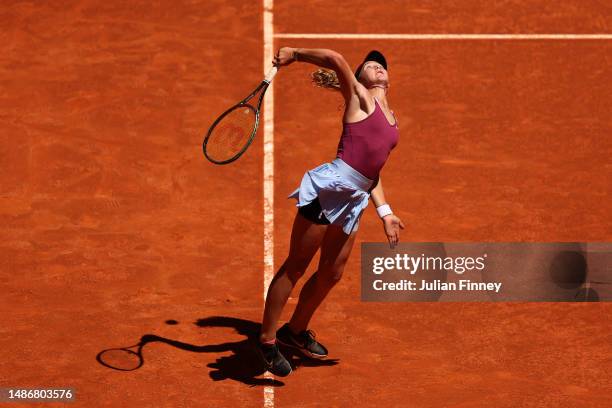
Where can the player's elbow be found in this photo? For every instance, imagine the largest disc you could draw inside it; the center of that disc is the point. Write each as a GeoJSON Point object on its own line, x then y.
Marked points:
{"type": "Point", "coordinates": [335, 59]}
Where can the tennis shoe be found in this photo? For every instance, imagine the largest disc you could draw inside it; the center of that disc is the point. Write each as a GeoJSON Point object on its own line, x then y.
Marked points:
{"type": "Point", "coordinates": [304, 341]}
{"type": "Point", "coordinates": [273, 359]}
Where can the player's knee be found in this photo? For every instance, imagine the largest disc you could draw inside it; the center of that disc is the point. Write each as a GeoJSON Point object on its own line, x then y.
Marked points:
{"type": "Point", "coordinates": [332, 275]}
{"type": "Point", "coordinates": [295, 268]}
{"type": "Point", "coordinates": [294, 275]}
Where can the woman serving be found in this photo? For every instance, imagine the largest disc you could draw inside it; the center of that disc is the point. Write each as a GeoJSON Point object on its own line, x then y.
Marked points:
{"type": "Point", "coordinates": [331, 199]}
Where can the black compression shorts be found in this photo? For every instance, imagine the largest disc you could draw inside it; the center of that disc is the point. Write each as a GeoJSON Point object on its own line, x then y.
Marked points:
{"type": "Point", "coordinates": [313, 212]}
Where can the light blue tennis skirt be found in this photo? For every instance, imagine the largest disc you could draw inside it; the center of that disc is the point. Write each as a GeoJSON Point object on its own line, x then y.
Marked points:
{"type": "Point", "coordinates": [342, 191]}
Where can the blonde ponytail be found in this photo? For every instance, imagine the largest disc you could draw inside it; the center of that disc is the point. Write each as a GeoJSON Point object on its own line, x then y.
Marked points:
{"type": "Point", "coordinates": [326, 78]}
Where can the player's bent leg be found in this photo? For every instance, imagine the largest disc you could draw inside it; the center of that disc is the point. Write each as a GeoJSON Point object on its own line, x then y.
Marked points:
{"type": "Point", "coordinates": [306, 237]}
{"type": "Point", "coordinates": [335, 250]}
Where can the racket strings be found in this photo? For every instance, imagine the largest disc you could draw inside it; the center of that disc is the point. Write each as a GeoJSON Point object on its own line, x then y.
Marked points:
{"type": "Point", "coordinates": [231, 134]}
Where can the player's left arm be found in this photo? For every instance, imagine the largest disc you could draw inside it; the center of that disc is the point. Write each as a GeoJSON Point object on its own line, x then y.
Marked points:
{"type": "Point", "coordinates": [391, 222]}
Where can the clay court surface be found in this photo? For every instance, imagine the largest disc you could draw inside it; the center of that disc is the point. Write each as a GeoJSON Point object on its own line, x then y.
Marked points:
{"type": "Point", "coordinates": [114, 225]}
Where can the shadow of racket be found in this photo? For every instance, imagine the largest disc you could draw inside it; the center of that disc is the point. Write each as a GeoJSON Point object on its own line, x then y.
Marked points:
{"type": "Point", "coordinates": [125, 358]}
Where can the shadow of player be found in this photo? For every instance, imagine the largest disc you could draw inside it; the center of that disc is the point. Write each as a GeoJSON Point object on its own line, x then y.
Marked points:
{"type": "Point", "coordinates": [242, 365]}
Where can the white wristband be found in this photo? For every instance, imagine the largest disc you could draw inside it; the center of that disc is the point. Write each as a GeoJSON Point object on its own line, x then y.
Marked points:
{"type": "Point", "coordinates": [383, 210]}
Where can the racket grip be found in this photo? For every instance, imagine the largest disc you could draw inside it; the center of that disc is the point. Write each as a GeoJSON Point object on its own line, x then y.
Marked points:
{"type": "Point", "coordinates": [271, 73]}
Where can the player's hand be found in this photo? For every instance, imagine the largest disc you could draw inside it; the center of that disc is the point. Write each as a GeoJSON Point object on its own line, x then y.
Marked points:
{"type": "Point", "coordinates": [392, 225]}
{"type": "Point", "coordinates": [284, 56]}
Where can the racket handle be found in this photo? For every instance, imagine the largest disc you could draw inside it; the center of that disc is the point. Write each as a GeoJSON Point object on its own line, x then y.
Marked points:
{"type": "Point", "coordinates": [271, 73]}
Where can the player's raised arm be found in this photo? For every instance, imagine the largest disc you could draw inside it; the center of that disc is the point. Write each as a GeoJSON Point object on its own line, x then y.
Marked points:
{"type": "Point", "coordinates": [325, 58]}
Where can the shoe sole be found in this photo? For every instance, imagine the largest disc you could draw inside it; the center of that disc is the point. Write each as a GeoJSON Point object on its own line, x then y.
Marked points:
{"type": "Point", "coordinates": [269, 366]}
{"type": "Point", "coordinates": [302, 350]}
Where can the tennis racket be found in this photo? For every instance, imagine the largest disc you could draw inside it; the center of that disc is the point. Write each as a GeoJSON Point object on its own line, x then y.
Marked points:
{"type": "Point", "coordinates": [233, 132]}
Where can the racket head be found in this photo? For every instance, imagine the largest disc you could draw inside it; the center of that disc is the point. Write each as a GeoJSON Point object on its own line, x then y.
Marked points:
{"type": "Point", "coordinates": [122, 359]}
{"type": "Point", "coordinates": [231, 134]}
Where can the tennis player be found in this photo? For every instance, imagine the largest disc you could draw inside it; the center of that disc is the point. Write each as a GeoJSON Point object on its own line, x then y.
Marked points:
{"type": "Point", "coordinates": [331, 199]}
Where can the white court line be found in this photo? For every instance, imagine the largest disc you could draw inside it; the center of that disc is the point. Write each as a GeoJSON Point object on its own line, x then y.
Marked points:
{"type": "Point", "coordinates": [347, 36]}
{"type": "Point", "coordinates": [268, 169]}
